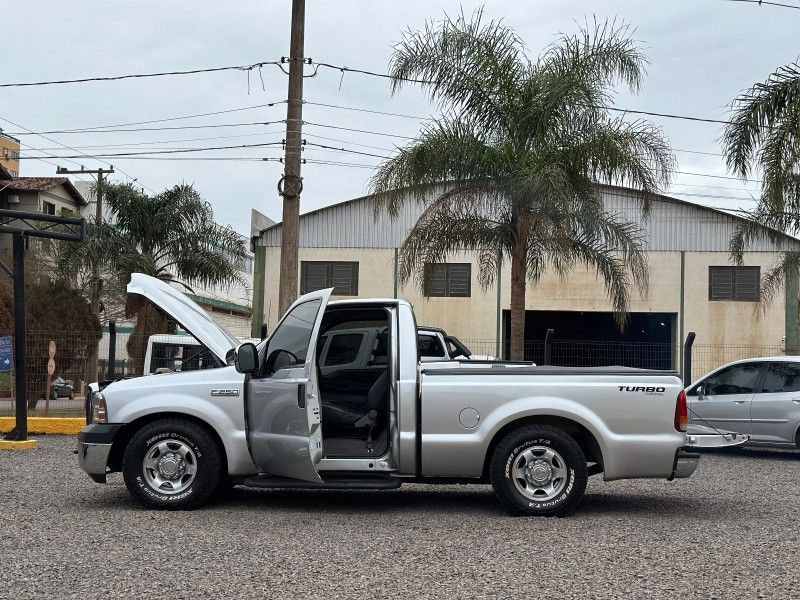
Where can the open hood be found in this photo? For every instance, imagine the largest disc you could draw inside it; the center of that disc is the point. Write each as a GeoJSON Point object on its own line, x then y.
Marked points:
{"type": "Point", "coordinates": [186, 312]}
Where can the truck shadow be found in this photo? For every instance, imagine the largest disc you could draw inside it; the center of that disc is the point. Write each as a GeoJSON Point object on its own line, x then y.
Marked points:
{"type": "Point", "coordinates": [478, 500]}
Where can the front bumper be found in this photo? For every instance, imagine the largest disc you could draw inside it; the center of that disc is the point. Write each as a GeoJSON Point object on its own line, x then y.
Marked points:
{"type": "Point", "coordinates": [94, 447]}
{"type": "Point", "coordinates": [685, 464]}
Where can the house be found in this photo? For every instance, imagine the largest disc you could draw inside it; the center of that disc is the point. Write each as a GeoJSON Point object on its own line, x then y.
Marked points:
{"type": "Point", "coordinates": [9, 154]}
{"type": "Point", "coordinates": [692, 287]}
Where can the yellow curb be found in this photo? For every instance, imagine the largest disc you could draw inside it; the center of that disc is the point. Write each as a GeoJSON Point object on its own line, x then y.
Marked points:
{"type": "Point", "coordinates": [17, 445]}
{"type": "Point", "coordinates": [52, 425]}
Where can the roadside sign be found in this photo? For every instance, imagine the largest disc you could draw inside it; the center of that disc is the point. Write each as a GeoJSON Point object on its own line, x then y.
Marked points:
{"type": "Point", "coordinates": [51, 349]}
{"type": "Point", "coordinates": [6, 353]}
{"type": "Point", "coordinates": [51, 367]}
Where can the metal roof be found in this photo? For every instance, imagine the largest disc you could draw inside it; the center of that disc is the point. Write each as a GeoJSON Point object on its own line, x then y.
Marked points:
{"type": "Point", "coordinates": [672, 225]}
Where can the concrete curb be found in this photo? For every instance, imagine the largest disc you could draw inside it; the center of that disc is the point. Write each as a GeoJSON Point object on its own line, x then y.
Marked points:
{"type": "Point", "coordinates": [51, 425]}
{"type": "Point", "coordinates": [18, 445]}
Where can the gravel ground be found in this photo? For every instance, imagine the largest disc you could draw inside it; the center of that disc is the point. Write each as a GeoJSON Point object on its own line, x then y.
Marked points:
{"type": "Point", "coordinates": [728, 532]}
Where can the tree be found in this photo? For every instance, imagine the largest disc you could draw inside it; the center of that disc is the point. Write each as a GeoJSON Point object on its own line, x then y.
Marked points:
{"type": "Point", "coordinates": [764, 137]}
{"type": "Point", "coordinates": [512, 168]}
{"type": "Point", "coordinates": [171, 235]}
{"type": "Point", "coordinates": [73, 327]}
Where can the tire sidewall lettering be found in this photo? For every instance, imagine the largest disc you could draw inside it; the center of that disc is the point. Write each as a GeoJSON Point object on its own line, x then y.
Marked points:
{"type": "Point", "coordinates": [149, 443]}
{"type": "Point", "coordinates": [514, 454]}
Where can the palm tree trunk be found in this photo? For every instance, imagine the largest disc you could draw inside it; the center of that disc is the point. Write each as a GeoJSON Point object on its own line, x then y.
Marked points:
{"type": "Point", "coordinates": [149, 321]}
{"type": "Point", "coordinates": [519, 276]}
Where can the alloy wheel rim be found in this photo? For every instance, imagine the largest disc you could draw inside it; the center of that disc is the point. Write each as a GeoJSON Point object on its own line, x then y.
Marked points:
{"type": "Point", "coordinates": [539, 473]}
{"type": "Point", "coordinates": [169, 467]}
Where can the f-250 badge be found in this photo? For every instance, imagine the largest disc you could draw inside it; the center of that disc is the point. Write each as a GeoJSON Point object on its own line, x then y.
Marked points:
{"type": "Point", "coordinates": [225, 392]}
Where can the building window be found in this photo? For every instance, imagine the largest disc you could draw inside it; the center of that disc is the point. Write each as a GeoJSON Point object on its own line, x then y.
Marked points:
{"type": "Point", "coordinates": [734, 283]}
{"type": "Point", "coordinates": [321, 274]}
{"type": "Point", "coordinates": [48, 208]}
{"type": "Point", "coordinates": [448, 279]}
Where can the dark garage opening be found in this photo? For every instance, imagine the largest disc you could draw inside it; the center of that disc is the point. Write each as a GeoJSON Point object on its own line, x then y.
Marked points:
{"type": "Point", "coordinates": [593, 339]}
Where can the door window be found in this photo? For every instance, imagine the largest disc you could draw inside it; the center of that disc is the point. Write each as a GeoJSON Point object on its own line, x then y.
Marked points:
{"type": "Point", "coordinates": [343, 349]}
{"type": "Point", "coordinates": [781, 377]}
{"type": "Point", "coordinates": [288, 346]}
{"type": "Point", "coordinates": [430, 346]}
{"type": "Point", "coordinates": [736, 379]}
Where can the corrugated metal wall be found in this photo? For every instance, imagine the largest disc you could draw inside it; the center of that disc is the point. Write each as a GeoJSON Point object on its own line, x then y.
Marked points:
{"type": "Point", "coordinates": [672, 225]}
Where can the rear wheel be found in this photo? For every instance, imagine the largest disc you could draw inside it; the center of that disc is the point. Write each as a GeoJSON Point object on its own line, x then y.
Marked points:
{"type": "Point", "coordinates": [172, 464]}
{"type": "Point", "coordinates": [539, 470]}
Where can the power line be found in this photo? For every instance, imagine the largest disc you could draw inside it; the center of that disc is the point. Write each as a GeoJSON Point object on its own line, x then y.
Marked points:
{"type": "Point", "coordinates": [154, 142]}
{"type": "Point", "coordinates": [249, 67]}
{"type": "Point", "coordinates": [760, 2]}
{"type": "Point", "coordinates": [81, 155]}
{"type": "Point", "coordinates": [96, 128]}
{"type": "Point", "coordinates": [323, 146]}
{"type": "Point", "coordinates": [174, 151]}
{"type": "Point", "coordinates": [365, 110]}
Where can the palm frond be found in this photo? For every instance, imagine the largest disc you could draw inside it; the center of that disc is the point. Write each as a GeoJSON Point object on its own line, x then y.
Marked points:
{"type": "Point", "coordinates": [464, 63]}
{"type": "Point", "coordinates": [756, 112]}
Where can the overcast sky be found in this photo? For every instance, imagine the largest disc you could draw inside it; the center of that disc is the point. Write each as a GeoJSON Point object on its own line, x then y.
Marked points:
{"type": "Point", "coordinates": [702, 53]}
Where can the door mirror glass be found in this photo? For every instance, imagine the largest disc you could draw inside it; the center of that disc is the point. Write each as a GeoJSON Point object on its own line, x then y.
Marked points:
{"type": "Point", "coordinates": [701, 391]}
{"type": "Point", "coordinates": [246, 358]}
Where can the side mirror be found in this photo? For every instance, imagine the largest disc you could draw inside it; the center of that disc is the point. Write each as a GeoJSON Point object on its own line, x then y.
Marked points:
{"type": "Point", "coordinates": [701, 391]}
{"type": "Point", "coordinates": [246, 358]}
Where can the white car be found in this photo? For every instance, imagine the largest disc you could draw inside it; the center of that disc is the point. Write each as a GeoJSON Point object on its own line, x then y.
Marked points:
{"type": "Point", "coordinates": [759, 397]}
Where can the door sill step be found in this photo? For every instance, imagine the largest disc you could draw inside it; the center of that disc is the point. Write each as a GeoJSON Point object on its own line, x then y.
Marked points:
{"type": "Point", "coordinates": [350, 482]}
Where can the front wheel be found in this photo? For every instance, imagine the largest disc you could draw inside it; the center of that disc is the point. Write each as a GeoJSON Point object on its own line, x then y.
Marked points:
{"type": "Point", "coordinates": [539, 470]}
{"type": "Point", "coordinates": [172, 464]}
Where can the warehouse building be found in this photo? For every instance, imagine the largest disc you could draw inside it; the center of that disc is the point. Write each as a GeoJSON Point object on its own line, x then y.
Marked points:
{"type": "Point", "coordinates": [693, 287]}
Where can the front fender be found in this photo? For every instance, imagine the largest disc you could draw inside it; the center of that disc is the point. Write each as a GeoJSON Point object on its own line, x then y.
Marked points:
{"type": "Point", "coordinates": [228, 428]}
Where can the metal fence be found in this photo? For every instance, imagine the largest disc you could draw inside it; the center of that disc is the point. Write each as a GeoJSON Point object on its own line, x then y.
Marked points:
{"type": "Point", "coordinates": [649, 355]}
{"type": "Point", "coordinates": [70, 378]}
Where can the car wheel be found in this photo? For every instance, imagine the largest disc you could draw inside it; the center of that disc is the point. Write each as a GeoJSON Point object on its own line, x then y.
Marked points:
{"type": "Point", "coordinates": [172, 464]}
{"type": "Point", "coordinates": [53, 394]}
{"type": "Point", "coordinates": [72, 395]}
{"type": "Point", "coordinates": [539, 470]}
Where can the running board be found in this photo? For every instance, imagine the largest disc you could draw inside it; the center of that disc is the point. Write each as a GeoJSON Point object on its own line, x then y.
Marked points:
{"type": "Point", "coordinates": [328, 483]}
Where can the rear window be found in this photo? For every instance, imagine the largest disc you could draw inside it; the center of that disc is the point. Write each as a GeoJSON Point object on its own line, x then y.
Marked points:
{"type": "Point", "coordinates": [343, 349]}
{"type": "Point", "coordinates": [430, 346]}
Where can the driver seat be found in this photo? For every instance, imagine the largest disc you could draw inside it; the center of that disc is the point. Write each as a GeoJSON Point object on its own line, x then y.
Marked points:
{"type": "Point", "coordinates": [344, 415]}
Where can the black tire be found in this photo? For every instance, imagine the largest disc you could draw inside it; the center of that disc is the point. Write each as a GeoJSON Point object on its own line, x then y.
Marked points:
{"type": "Point", "coordinates": [508, 452]}
{"type": "Point", "coordinates": [53, 394]}
{"type": "Point", "coordinates": [207, 457]}
{"type": "Point", "coordinates": [72, 395]}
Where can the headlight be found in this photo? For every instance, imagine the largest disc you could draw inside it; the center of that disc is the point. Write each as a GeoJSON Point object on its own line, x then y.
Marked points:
{"type": "Point", "coordinates": [99, 412]}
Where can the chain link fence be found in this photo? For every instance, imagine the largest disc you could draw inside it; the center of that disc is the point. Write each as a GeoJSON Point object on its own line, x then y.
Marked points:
{"type": "Point", "coordinates": [180, 351]}
{"type": "Point", "coordinates": [645, 355]}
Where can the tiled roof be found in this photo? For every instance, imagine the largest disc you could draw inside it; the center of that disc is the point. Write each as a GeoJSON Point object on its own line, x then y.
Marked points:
{"type": "Point", "coordinates": [43, 184]}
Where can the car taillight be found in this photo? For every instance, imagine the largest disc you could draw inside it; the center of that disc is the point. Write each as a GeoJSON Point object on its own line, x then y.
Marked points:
{"type": "Point", "coordinates": [681, 412]}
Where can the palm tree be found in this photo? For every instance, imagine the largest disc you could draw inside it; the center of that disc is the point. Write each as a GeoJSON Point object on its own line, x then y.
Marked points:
{"type": "Point", "coordinates": [171, 235]}
{"type": "Point", "coordinates": [764, 137]}
{"type": "Point", "coordinates": [512, 168]}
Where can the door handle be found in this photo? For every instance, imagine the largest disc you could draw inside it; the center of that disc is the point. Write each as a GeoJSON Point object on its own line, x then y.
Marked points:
{"type": "Point", "coordinates": [740, 401]}
{"type": "Point", "coordinates": [301, 395]}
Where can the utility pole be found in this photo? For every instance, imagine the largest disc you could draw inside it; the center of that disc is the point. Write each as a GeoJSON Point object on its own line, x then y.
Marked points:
{"type": "Point", "coordinates": [91, 361]}
{"type": "Point", "coordinates": [291, 184]}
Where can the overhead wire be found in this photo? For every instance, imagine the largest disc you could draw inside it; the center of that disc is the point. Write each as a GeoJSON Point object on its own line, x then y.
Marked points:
{"type": "Point", "coordinates": [248, 67]}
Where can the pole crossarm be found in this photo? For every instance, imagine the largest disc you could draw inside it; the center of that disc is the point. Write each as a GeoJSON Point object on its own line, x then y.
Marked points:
{"type": "Point", "coordinates": [43, 226]}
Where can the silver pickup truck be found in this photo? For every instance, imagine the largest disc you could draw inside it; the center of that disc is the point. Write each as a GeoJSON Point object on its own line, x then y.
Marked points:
{"type": "Point", "coordinates": [270, 417]}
